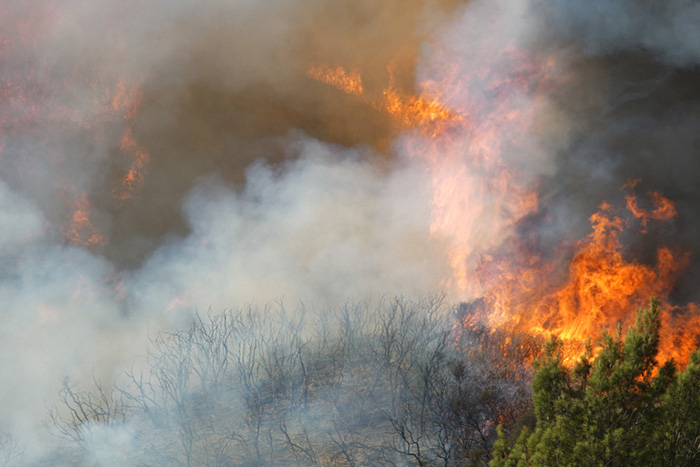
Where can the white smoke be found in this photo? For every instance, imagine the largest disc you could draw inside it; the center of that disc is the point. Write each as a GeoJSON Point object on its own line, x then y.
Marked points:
{"type": "Point", "coordinates": [264, 185]}
{"type": "Point", "coordinates": [324, 227]}
{"type": "Point", "coordinates": [321, 223]}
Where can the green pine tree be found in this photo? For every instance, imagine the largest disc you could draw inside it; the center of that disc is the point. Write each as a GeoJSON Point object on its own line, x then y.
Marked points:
{"type": "Point", "coordinates": [618, 409]}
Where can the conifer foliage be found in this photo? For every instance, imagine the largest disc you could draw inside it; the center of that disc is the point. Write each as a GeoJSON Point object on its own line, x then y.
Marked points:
{"type": "Point", "coordinates": [619, 408]}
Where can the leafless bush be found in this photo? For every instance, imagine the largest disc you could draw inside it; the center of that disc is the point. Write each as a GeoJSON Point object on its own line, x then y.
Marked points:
{"type": "Point", "coordinates": [81, 411]}
{"type": "Point", "coordinates": [385, 384]}
{"type": "Point", "coordinates": [10, 450]}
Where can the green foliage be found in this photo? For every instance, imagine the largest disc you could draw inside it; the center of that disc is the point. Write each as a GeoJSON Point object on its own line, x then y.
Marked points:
{"type": "Point", "coordinates": [618, 409]}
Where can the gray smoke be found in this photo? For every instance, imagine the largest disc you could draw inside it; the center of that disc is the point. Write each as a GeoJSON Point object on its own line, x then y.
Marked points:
{"type": "Point", "coordinates": [262, 184]}
{"type": "Point", "coordinates": [256, 187]}
{"type": "Point", "coordinates": [633, 104]}
{"type": "Point", "coordinates": [664, 31]}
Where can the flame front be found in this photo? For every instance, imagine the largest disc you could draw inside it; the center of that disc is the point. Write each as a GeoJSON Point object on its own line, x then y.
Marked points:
{"type": "Point", "coordinates": [462, 129]}
{"type": "Point", "coordinates": [600, 290]}
{"type": "Point", "coordinates": [479, 199]}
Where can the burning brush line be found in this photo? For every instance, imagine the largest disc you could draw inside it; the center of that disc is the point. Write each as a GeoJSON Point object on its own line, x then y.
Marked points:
{"type": "Point", "coordinates": [519, 291]}
{"type": "Point", "coordinates": [156, 158]}
{"type": "Point", "coordinates": [595, 295]}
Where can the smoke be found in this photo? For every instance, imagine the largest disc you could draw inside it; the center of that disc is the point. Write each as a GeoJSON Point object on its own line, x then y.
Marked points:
{"type": "Point", "coordinates": [325, 226]}
{"type": "Point", "coordinates": [665, 31]}
{"type": "Point", "coordinates": [255, 187]}
{"type": "Point", "coordinates": [632, 104]}
{"type": "Point", "coordinates": [262, 184]}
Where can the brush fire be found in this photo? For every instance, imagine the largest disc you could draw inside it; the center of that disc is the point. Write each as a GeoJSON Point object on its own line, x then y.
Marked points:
{"type": "Point", "coordinates": [160, 159]}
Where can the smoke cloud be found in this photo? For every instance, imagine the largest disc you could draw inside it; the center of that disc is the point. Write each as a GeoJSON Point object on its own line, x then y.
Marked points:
{"type": "Point", "coordinates": [665, 31]}
{"type": "Point", "coordinates": [632, 106]}
{"type": "Point", "coordinates": [257, 183]}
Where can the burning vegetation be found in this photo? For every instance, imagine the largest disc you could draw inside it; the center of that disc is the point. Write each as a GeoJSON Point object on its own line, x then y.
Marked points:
{"type": "Point", "coordinates": [598, 292]}
{"type": "Point", "coordinates": [158, 159]}
{"type": "Point", "coordinates": [423, 113]}
{"type": "Point", "coordinates": [620, 407]}
{"type": "Point", "coordinates": [520, 291]}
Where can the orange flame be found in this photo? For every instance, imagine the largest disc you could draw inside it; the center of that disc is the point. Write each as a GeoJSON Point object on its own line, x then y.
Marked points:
{"type": "Point", "coordinates": [79, 230]}
{"type": "Point", "coordinates": [350, 83]}
{"type": "Point", "coordinates": [420, 112]}
{"type": "Point", "coordinates": [664, 209]}
{"type": "Point", "coordinates": [519, 290]}
{"type": "Point", "coordinates": [602, 289]}
{"type": "Point", "coordinates": [478, 196]}
{"type": "Point", "coordinates": [134, 178]}
{"type": "Point", "coordinates": [30, 94]}
{"type": "Point", "coordinates": [126, 101]}
{"type": "Point", "coordinates": [424, 113]}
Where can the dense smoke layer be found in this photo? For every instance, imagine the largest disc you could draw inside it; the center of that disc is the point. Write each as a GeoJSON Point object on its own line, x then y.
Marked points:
{"type": "Point", "coordinates": [665, 31]}
{"type": "Point", "coordinates": [257, 183]}
{"type": "Point", "coordinates": [634, 101]}
{"type": "Point", "coordinates": [212, 87]}
{"type": "Point", "coordinates": [263, 184]}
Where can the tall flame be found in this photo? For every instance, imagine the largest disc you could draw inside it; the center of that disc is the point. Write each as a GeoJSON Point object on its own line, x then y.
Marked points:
{"type": "Point", "coordinates": [602, 288]}
{"type": "Point", "coordinates": [521, 291]}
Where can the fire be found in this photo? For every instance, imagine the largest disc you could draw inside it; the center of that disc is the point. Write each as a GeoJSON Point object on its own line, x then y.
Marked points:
{"type": "Point", "coordinates": [124, 101]}
{"type": "Point", "coordinates": [30, 96]}
{"type": "Point", "coordinates": [602, 288]}
{"type": "Point", "coordinates": [478, 195]}
{"type": "Point", "coordinates": [79, 230]}
{"type": "Point", "coordinates": [664, 209]}
{"type": "Point", "coordinates": [134, 178]}
{"type": "Point", "coordinates": [350, 83]}
{"type": "Point", "coordinates": [424, 113]}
